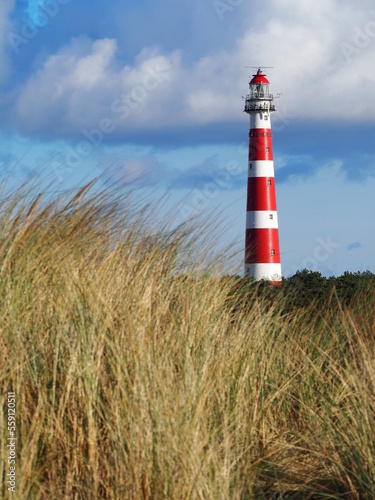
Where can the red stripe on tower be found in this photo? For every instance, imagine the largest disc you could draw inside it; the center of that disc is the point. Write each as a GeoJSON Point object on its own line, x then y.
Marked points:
{"type": "Point", "coordinates": [262, 253]}
{"type": "Point", "coordinates": [260, 145]}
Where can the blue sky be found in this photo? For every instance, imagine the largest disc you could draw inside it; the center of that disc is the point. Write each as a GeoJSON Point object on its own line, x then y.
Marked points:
{"type": "Point", "coordinates": [151, 91]}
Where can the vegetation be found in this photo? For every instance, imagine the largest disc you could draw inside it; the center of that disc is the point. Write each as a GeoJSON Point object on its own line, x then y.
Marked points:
{"type": "Point", "coordinates": [140, 372]}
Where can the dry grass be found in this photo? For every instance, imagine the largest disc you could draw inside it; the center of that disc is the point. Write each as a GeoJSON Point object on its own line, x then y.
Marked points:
{"type": "Point", "coordinates": [134, 379]}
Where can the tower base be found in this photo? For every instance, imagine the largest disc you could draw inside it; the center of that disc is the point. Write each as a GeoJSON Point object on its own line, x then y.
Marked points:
{"type": "Point", "coordinates": [270, 272]}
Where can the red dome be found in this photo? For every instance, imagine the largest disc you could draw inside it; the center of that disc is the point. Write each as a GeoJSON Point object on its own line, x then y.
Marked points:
{"type": "Point", "coordinates": [259, 78]}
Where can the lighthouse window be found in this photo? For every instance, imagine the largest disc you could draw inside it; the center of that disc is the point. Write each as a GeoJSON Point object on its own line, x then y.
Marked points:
{"type": "Point", "coordinates": [249, 200]}
{"type": "Point", "coordinates": [269, 182]}
{"type": "Point", "coordinates": [251, 134]}
{"type": "Point", "coordinates": [267, 149]}
{"type": "Point", "coordinates": [266, 117]}
{"type": "Point", "coordinates": [250, 166]}
{"type": "Point", "coordinates": [271, 216]}
{"type": "Point", "coordinates": [248, 234]}
{"type": "Point", "coordinates": [272, 251]}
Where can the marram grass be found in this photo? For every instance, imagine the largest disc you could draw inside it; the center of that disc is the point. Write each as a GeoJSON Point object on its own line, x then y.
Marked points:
{"type": "Point", "coordinates": [136, 378]}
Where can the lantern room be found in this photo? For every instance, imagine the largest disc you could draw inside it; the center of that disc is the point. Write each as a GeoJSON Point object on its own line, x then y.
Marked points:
{"type": "Point", "coordinates": [260, 87]}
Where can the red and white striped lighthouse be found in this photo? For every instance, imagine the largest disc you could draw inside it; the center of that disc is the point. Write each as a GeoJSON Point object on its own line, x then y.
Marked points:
{"type": "Point", "coordinates": [262, 253]}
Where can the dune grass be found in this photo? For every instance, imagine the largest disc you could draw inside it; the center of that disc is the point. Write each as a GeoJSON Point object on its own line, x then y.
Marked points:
{"type": "Point", "coordinates": [135, 377]}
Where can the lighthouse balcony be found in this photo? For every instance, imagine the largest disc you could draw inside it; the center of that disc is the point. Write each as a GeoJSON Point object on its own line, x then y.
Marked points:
{"type": "Point", "coordinates": [259, 97]}
{"type": "Point", "coordinates": [251, 105]}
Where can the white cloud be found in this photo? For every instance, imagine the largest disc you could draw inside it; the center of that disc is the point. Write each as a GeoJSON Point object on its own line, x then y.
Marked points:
{"type": "Point", "coordinates": [84, 84]}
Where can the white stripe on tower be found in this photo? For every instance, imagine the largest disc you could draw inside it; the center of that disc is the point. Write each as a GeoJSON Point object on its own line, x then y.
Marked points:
{"type": "Point", "coordinates": [260, 168]}
{"type": "Point", "coordinates": [261, 219]}
{"type": "Point", "coordinates": [262, 253]}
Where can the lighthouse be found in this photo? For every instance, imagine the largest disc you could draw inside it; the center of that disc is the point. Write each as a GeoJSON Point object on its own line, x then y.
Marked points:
{"type": "Point", "coordinates": [262, 253]}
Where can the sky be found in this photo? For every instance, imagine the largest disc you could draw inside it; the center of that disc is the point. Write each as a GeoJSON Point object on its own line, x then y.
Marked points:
{"type": "Point", "coordinates": [151, 92]}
